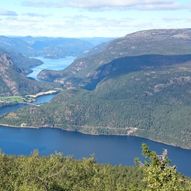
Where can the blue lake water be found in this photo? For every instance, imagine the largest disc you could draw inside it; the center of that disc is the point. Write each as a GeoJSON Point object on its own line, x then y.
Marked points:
{"type": "Point", "coordinates": [106, 149]}
{"type": "Point", "coordinates": [40, 100]}
{"type": "Point", "coordinates": [51, 64]}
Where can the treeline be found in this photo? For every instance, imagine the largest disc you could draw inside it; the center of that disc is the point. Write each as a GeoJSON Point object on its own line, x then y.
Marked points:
{"type": "Point", "coordinates": [59, 173]}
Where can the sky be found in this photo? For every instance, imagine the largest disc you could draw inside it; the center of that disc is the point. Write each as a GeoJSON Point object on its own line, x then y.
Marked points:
{"type": "Point", "coordinates": [91, 18]}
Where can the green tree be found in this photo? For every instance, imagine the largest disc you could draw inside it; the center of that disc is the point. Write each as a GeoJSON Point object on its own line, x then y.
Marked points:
{"type": "Point", "coordinates": [159, 175]}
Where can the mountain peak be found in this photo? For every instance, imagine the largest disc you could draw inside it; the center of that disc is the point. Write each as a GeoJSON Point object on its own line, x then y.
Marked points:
{"type": "Point", "coordinates": [162, 33]}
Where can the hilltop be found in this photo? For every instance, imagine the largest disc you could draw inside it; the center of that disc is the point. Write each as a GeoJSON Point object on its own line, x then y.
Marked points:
{"type": "Point", "coordinates": [149, 42]}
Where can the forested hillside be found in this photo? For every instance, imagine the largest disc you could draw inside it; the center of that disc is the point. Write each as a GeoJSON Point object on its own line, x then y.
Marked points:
{"type": "Point", "coordinates": [148, 100]}
{"type": "Point", "coordinates": [13, 81]}
{"type": "Point", "coordinates": [21, 61]}
{"type": "Point", "coordinates": [140, 94]}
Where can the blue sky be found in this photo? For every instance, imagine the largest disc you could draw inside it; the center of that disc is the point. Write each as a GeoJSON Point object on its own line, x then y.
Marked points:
{"type": "Point", "coordinates": [91, 18]}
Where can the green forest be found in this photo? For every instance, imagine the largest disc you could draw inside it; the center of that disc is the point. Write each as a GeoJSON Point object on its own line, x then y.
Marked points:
{"type": "Point", "coordinates": [60, 173]}
{"type": "Point", "coordinates": [154, 104]}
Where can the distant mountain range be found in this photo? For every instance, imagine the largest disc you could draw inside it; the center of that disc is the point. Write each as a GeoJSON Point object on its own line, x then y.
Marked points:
{"type": "Point", "coordinates": [136, 85]}
{"type": "Point", "coordinates": [49, 47]}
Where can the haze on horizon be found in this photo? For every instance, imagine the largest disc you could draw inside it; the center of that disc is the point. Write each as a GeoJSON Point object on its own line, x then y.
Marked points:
{"type": "Point", "coordinates": [90, 18]}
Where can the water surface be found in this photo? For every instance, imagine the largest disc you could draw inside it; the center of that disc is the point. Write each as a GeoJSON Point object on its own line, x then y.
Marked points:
{"type": "Point", "coordinates": [106, 149]}
{"type": "Point", "coordinates": [114, 150]}
{"type": "Point", "coordinates": [51, 64]}
{"type": "Point", "coordinates": [39, 100]}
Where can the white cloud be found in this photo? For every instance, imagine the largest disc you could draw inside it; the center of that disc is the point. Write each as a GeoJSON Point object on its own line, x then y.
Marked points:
{"type": "Point", "coordinates": [85, 26]}
{"type": "Point", "coordinates": [30, 14]}
{"type": "Point", "coordinates": [101, 4]}
{"type": "Point", "coordinates": [69, 22]}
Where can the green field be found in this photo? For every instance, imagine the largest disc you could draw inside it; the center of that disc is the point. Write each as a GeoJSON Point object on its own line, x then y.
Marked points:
{"type": "Point", "coordinates": [6, 100]}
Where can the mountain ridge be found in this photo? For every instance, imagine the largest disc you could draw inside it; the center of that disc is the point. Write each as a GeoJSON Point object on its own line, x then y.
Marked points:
{"type": "Point", "coordinates": [133, 44]}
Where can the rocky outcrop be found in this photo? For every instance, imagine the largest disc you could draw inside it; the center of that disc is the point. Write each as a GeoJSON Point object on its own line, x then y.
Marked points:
{"type": "Point", "coordinates": [14, 82]}
{"type": "Point", "coordinates": [6, 70]}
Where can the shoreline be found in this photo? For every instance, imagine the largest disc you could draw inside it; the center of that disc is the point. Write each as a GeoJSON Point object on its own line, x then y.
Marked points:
{"type": "Point", "coordinates": [50, 92]}
{"type": "Point", "coordinates": [92, 134]}
{"type": "Point", "coordinates": [32, 98]}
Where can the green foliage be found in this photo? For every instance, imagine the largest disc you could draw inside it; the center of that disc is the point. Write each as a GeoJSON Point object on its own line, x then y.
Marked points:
{"type": "Point", "coordinates": [159, 175]}
{"type": "Point", "coordinates": [59, 173]}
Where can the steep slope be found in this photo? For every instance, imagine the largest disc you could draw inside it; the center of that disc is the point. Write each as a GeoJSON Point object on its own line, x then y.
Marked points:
{"type": "Point", "coordinates": [13, 80]}
{"type": "Point", "coordinates": [162, 42]}
{"type": "Point", "coordinates": [21, 61]}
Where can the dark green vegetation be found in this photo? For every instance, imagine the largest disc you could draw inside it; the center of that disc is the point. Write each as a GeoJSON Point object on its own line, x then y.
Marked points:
{"type": "Point", "coordinates": [154, 104]}
{"type": "Point", "coordinates": [58, 173]}
{"type": "Point", "coordinates": [143, 95]}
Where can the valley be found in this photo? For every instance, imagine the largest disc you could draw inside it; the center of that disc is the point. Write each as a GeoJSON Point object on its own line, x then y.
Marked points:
{"type": "Point", "coordinates": [132, 93]}
{"type": "Point", "coordinates": [140, 94]}
{"type": "Point", "coordinates": [95, 95]}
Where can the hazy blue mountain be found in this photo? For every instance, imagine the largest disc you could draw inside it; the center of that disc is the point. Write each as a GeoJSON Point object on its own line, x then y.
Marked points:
{"type": "Point", "coordinates": [48, 46]}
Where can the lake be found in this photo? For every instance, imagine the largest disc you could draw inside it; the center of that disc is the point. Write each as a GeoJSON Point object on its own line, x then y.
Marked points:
{"type": "Point", "coordinates": [114, 150]}
{"type": "Point", "coordinates": [51, 64]}
{"type": "Point", "coordinates": [39, 100]}
{"type": "Point", "coordinates": [106, 149]}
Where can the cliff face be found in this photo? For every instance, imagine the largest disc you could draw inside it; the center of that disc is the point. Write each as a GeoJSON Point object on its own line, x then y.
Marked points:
{"type": "Point", "coordinates": [7, 69]}
{"type": "Point", "coordinates": [13, 80]}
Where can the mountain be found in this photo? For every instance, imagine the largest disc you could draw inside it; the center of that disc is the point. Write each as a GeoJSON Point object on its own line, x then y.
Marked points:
{"type": "Point", "coordinates": [13, 80]}
{"type": "Point", "coordinates": [162, 42]}
{"type": "Point", "coordinates": [21, 61]}
{"type": "Point", "coordinates": [48, 46]}
{"type": "Point", "coordinates": [144, 91]}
